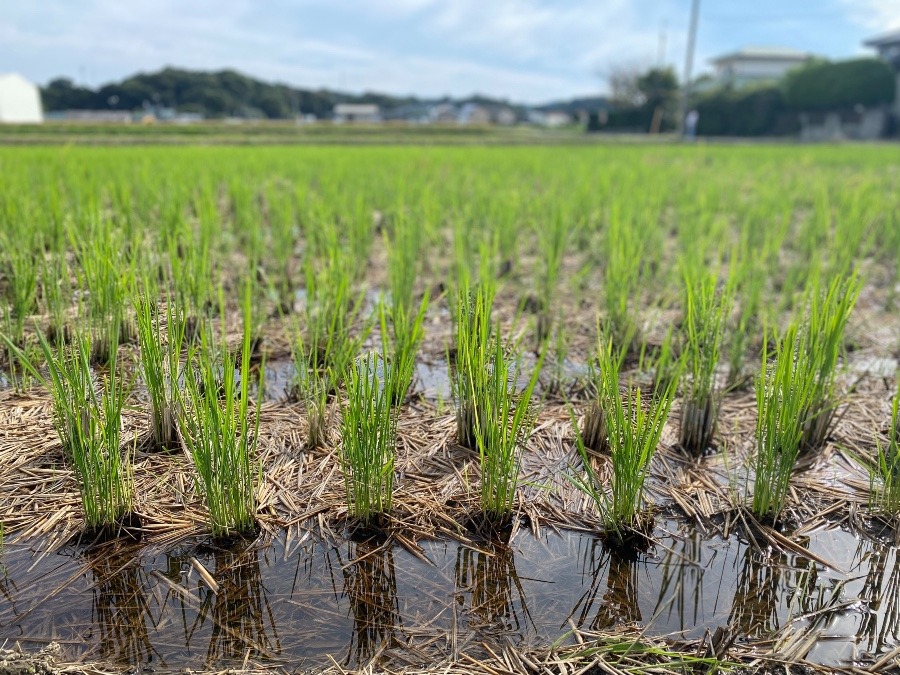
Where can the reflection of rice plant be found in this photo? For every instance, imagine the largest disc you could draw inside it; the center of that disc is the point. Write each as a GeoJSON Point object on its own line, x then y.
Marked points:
{"type": "Point", "coordinates": [633, 430]}
{"type": "Point", "coordinates": [486, 581]}
{"type": "Point", "coordinates": [120, 609]}
{"type": "Point", "coordinates": [220, 436]}
{"type": "Point", "coordinates": [368, 434]}
{"type": "Point", "coordinates": [784, 392]}
{"type": "Point", "coordinates": [705, 318]}
{"type": "Point", "coordinates": [239, 610]}
{"type": "Point", "coordinates": [370, 585]}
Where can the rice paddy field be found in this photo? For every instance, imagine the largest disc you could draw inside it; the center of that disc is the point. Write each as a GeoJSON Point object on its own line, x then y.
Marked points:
{"type": "Point", "coordinates": [559, 409]}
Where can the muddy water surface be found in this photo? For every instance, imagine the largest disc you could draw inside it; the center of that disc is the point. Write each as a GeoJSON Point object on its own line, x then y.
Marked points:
{"type": "Point", "coordinates": [356, 601]}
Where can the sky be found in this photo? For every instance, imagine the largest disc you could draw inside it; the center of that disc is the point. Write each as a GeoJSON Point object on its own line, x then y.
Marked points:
{"type": "Point", "coordinates": [528, 51]}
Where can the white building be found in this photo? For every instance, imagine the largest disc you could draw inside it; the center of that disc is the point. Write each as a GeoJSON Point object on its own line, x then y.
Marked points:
{"type": "Point", "coordinates": [357, 112]}
{"type": "Point", "coordinates": [757, 65]}
{"type": "Point", "coordinates": [20, 101]}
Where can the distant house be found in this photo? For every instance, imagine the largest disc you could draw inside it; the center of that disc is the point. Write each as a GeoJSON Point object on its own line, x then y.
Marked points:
{"type": "Point", "coordinates": [443, 113]}
{"type": "Point", "coordinates": [888, 47]}
{"type": "Point", "coordinates": [756, 65]}
{"type": "Point", "coordinates": [95, 116]}
{"type": "Point", "coordinates": [549, 118]}
{"type": "Point", "coordinates": [357, 112]}
{"type": "Point", "coordinates": [20, 101]}
{"type": "Point", "coordinates": [472, 113]}
{"type": "Point", "coordinates": [505, 116]}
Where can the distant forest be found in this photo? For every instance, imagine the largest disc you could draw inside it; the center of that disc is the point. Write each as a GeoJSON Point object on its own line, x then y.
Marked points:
{"type": "Point", "coordinates": [225, 93]}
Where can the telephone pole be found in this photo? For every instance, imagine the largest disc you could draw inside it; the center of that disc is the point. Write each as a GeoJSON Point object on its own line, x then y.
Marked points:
{"type": "Point", "coordinates": [688, 66]}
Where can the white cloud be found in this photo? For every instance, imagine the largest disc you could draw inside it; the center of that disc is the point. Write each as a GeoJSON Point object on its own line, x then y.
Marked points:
{"type": "Point", "coordinates": [526, 50]}
{"type": "Point", "coordinates": [876, 15]}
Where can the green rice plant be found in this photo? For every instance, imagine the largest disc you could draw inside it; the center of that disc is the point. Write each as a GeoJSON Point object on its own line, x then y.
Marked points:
{"type": "Point", "coordinates": [607, 362]}
{"type": "Point", "coordinates": [283, 234]}
{"type": "Point", "coordinates": [401, 321]}
{"type": "Point", "coordinates": [219, 434]}
{"type": "Point", "coordinates": [332, 309]}
{"type": "Point", "coordinates": [633, 428]}
{"type": "Point", "coordinates": [884, 473]}
{"type": "Point", "coordinates": [749, 282]}
{"type": "Point", "coordinates": [784, 393]}
{"type": "Point", "coordinates": [89, 426]}
{"type": "Point", "coordinates": [706, 313]}
{"type": "Point", "coordinates": [56, 293]}
{"type": "Point", "coordinates": [312, 386]}
{"type": "Point", "coordinates": [19, 258]}
{"type": "Point", "coordinates": [368, 438]}
{"type": "Point", "coordinates": [106, 274]}
{"type": "Point", "coordinates": [828, 313]}
{"type": "Point", "coordinates": [624, 250]}
{"type": "Point", "coordinates": [160, 364]}
{"type": "Point", "coordinates": [553, 236]}
{"type": "Point", "coordinates": [473, 355]}
{"type": "Point", "coordinates": [504, 420]}
{"type": "Point", "coordinates": [400, 344]}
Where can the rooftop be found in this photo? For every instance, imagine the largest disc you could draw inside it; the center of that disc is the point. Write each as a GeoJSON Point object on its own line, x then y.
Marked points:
{"type": "Point", "coordinates": [885, 40]}
{"type": "Point", "coordinates": [763, 53]}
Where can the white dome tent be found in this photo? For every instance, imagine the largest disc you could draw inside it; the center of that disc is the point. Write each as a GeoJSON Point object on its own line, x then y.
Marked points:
{"type": "Point", "coordinates": [20, 100]}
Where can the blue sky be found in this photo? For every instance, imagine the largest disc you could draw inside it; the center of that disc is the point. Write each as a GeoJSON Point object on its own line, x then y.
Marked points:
{"type": "Point", "coordinates": [526, 50]}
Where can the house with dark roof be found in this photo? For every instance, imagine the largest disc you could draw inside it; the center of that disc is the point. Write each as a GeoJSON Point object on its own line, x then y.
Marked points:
{"type": "Point", "coordinates": [888, 48]}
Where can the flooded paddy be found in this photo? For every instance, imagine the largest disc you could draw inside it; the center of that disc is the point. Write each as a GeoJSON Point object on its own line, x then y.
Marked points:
{"type": "Point", "coordinates": [304, 601]}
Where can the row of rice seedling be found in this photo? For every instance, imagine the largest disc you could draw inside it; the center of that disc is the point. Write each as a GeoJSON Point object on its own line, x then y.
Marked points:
{"type": "Point", "coordinates": [314, 221]}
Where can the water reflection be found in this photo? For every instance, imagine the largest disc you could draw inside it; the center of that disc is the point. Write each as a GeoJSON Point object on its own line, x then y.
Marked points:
{"type": "Point", "coordinates": [488, 589]}
{"type": "Point", "coordinates": [617, 578]}
{"type": "Point", "coordinates": [120, 610]}
{"type": "Point", "coordinates": [370, 585]}
{"type": "Point", "coordinates": [879, 628]}
{"type": "Point", "coordinates": [242, 623]}
{"type": "Point", "coordinates": [361, 603]}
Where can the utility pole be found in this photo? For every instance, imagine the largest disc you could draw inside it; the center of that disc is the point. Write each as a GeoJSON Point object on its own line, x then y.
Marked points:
{"type": "Point", "coordinates": [661, 49]}
{"type": "Point", "coordinates": [688, 66]}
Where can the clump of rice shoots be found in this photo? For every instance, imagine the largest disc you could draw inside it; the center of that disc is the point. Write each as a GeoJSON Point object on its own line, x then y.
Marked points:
{"type": "Point", "coordinates": [219, 434]}
{"type": "Point", "coordinates": [400, 313]}
{"type": "Point", "coordinates": [504, 420]}
{"type": "Point", "coordinates": [331, 311]}
{"type": "Point", "coordinates": [401, 344]}
{"type": "Point", "coordinates": [884, 473]}
{"type": "Point", "coordinates": [784, 392]}
{"type": "Point", "coordinates": [823, 343]}
{"type": "Point", "coordinates": [368, 439]}
{"type": "Point", "coordinates": [89, 426]}
{"type": "Point", "coordinates": [312, 386]}
{"type": "Point", "coordinates": [593, 433]}
{"type": "Point", "coordinates": [473, 355]}
{"type": "Point", "coordinates": [634, 428]}
{"type": "Point", "coordinates": [106, 274]}
{"type": "Point", "coordinates": [553, 237]}
{"type": "Point", "coordinates": [624, 250]}
{"type": "Point", "coordinates": [160, 365]}
{"type": "Point", "coordinates": [705, 318]}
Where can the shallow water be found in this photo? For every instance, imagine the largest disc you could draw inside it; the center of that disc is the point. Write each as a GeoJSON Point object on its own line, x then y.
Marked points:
{"type": "Point", "coordinates": [355, 600]}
